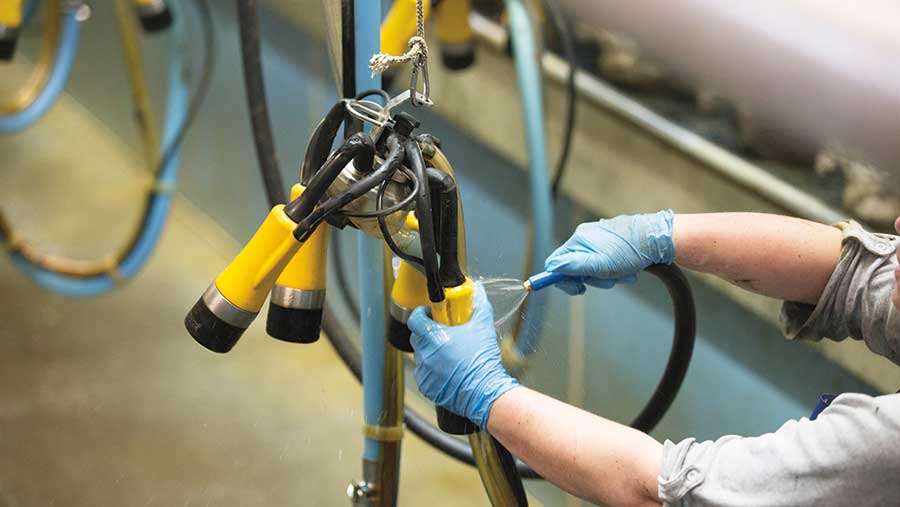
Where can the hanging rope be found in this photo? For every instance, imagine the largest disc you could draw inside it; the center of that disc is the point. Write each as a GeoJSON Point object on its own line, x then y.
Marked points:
{"type": "Point", "coordinates": [418, 48]}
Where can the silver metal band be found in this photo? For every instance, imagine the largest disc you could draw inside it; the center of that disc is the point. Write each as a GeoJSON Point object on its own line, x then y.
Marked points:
{"type": "Point", "coordinates": [458, 48]}
{"type": "Point", "coordinates": [8, 32]}
{"type": "Point", "coordinates": [152, 8]}
{"type": "Point", "coordinates": [400, 313]}
{"type": "Point", "coordinates": [225, 309]}
{"type": "Point", "coordinates": [287, 297]}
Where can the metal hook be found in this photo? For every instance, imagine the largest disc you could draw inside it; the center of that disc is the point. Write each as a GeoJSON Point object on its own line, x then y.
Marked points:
{"type": "Point", "coordinates": [414, 95]}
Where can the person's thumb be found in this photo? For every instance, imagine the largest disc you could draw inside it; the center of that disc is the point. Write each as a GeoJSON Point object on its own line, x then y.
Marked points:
{"type": "Point", "coordinates": [421, 325]}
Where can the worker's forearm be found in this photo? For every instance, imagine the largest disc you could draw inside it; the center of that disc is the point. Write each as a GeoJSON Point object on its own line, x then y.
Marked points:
{"type": "Point", "coordinates": [596, 459]}
{"type": "Point", "coordinates": [782, 257]}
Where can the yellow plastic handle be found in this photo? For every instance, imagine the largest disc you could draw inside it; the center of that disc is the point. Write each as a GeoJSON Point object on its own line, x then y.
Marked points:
{"type": "Point", "coordinates": [11, 13]}
{"type": "Point", "coordinates": [307, 269]}
{"type": "Point", "coordinates": [251, 275]}
{"type": "Point", "coordinates": [457, 307]}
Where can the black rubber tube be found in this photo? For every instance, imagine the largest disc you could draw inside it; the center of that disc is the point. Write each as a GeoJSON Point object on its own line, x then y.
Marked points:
{"type": "Point", "coordinates": [416, 162]}
{"type": "Point", "coordinates": [254, 84]}
{"type": "Point", "coordinates": [320, 142]}
{"type": "Point", "coordinates": [444, 188]}
{"type": "Point", "coordinates": [354, 191]}
{"type": "Point", "coordinates": [359, 148]}
{"type": "Point", "coordinates": [684, 317]}
{"type": "Point", "coordinates": [382, 220]}
{"type": "Point", "coordinates": [567, 41]}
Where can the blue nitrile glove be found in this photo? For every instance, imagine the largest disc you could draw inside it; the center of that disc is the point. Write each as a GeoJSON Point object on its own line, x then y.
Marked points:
{"type": "Point", "coordinates": [459, 367]}
{"type": "Point", "coordinates": [612, 251]}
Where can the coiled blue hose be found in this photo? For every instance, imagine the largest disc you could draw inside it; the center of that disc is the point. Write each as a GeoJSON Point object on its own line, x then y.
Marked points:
{"type": "Point", "coordinates": [529, 75]}
{"type": "Point", "coordinates": [152, 227]}
{"type": "Point", "coordinates": [66, 50]}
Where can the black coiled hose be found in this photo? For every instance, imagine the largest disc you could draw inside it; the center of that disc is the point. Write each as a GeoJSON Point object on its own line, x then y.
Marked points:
{"type": "Point", "coordinates": [254, 83]}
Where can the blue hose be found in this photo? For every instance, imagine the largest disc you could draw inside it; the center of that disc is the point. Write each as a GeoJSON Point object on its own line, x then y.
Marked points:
{"type": "Point", "coordinates": [152, 227]}
{"type": "Point", "coordinates": [529, 74]}
{"type": "Point", "coordinates": [367, 16]}
{"type": "Point", "coordinates": [66, 50]}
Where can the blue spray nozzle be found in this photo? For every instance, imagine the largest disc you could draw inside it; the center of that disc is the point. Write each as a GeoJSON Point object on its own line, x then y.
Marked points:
{"type": "Point", "coordinates": [544, 279]}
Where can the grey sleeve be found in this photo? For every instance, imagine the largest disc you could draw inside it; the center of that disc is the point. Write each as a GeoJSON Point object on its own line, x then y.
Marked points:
{"type": "Point", "coordinates": [848, 456]}
{"type": "Point", "coordinates": [856, 301]}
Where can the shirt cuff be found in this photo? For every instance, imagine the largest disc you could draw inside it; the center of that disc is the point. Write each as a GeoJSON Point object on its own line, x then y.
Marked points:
{"type": "Point", "coordinates": [676, 478]}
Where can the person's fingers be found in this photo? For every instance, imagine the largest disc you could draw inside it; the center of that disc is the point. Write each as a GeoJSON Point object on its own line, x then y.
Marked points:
{"type": "Point", "coordinates": [422, 326]}
{"type": "Point", "coordinates": [561, 250]}
{"type": "Point", "coordinates": [572, 263]}
{"type": "Point", "coordinates": [629, 279]}
{"type": "Point", "coordinates": [601, 283]}
{"type": "Point", "coordinates": [479, 298]}
{"type": "Point", "coordinates": [572, 286]}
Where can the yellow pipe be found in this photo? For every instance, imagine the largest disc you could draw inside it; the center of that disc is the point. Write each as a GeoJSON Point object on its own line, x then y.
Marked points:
{"type": "Point", "coordinates": [11, 13]}
{"type": "Point", "coordinates": [498, 489]}
{"type": "Point", "coordinates": [246, 282]}
{"type": "Point", "coordinates": [455, 34]}
{"type": "Point", "coordinates": [453, 22]}
{"type": "Point", "coordinates": [131, 47]}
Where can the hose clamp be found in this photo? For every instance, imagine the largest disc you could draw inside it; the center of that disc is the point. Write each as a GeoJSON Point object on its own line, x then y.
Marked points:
{"type": "Point", "coordinates": [225, 309]}
{"type": "Point", "coordinates": [383, 433]}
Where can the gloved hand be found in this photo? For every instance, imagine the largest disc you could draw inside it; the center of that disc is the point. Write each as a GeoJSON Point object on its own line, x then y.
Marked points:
{"type": "Point", "coordinates": [459, 367]}
{"type": "Point", "coordinates": [612, 251]}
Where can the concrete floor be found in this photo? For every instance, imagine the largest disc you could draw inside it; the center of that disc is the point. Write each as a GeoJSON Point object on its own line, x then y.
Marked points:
{"type": "Point", "coordinates": [108, 401]}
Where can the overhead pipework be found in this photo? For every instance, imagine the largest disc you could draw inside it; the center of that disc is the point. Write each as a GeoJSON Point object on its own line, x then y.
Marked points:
{"type": "Point", "coordinates": [844, 53]}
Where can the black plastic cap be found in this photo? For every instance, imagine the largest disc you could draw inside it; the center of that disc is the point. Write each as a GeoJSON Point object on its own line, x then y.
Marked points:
{"type": "Point", "coordinates": [209, 330]}
{"type": "Point", "coordinates": [157, 22]}
{"type": "Point", "coordinates": [405, 123]}
{"type": "Point", "coordinates": [8, 48]}
{"type": "Point", "coordinates": [454, 424]}
{"type": "Point", "coordinates": [293, 324]}
{"type": "Point", "coordinates": [458, 60]}
{"type": "Point", "coordinates": [398, 334]}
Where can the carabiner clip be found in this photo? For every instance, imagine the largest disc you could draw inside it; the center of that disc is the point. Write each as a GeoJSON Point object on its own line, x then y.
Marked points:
{"type": "Point", "coordinates": [417, 99]}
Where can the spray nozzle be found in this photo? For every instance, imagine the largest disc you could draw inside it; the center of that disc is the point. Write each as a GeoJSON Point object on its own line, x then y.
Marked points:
{"type": "Point", "coordinates": [545, 279]}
